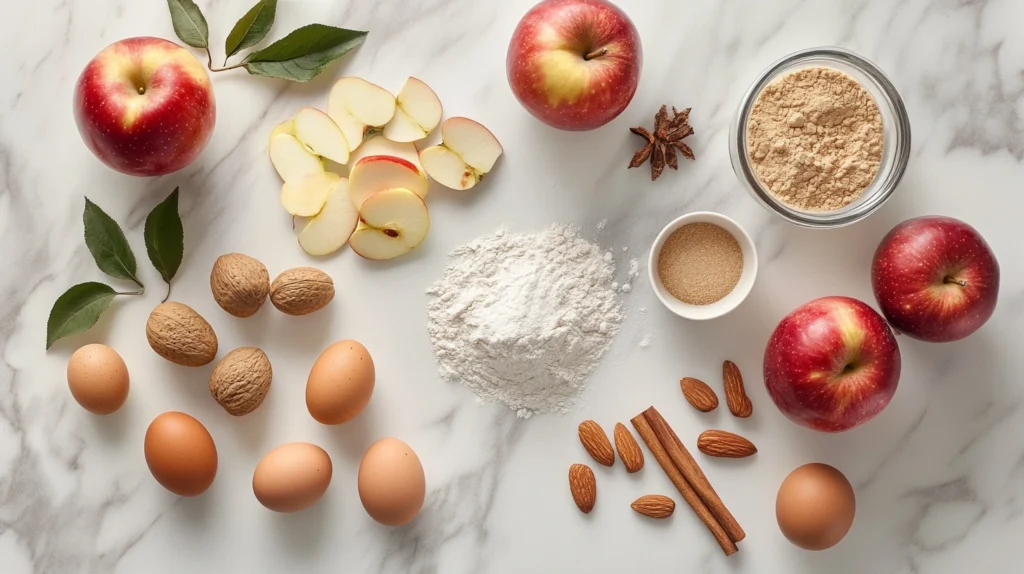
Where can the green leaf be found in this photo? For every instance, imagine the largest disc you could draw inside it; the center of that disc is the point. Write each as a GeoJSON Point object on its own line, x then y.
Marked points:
{"type": "Point", "coordinates": [251, 28]}
{"type": "Point", "coordinates": [106, 242]}
{"type": "Point", "coordinates": [303, 54]}
{"type": "Point", "coordinates": [77, 310]}
{"type": "Point", "coordinates": [165, 238]}
{"type": "Point", "coordinates": [189, 23]}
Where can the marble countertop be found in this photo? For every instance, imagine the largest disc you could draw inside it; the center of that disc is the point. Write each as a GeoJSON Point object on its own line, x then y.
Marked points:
{"type": "Point", "coordinates": [938, 475]}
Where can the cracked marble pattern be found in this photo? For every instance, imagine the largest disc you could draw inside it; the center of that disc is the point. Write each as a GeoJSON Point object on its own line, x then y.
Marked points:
{"type": "Point", "coordinates": [939, 475]}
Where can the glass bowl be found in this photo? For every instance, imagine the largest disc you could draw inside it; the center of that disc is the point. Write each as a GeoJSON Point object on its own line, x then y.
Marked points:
{"type": "Point", "coordinates": [895, 127]}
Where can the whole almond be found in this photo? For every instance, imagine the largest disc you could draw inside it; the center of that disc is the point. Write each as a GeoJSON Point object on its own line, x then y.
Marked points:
{"type": "Point", "coordinates": [699, 394]}
{"type": "Point", "coordinates": [629, 452]}
{"type": "Point", "coordinates": [596, 442]}
{"type": "Point", "coordinates": [654, 506]}
{"type": "Point", "coordinates": [583, 487]}
{"type": "Point", "coordinates": [735, 396]}
{"type": "Point", "coordinates": [724, 444]}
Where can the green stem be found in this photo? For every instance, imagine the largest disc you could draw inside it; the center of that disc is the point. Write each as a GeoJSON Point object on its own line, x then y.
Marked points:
{"type": "Point", "coordinates": [139, 292]}
{"type": "Point", "coordinates": [168, 294]}
{"type": "Point", "coordinates": [209, 63]}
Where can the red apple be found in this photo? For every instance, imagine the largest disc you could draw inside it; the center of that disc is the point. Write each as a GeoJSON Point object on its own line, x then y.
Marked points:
{"type": "Point", "coordinates": [935, 279]}
{"type": "Point", "coordinates": [145, 106]}
{"type": "Point", "coordinates": [574, 64]}
{"type": "Point", "coordinates": [832, 364]}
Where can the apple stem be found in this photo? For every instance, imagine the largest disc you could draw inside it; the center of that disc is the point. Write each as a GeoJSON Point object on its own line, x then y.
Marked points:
{"type": "Point", "coordinates": [595, 54]}
{"type": "Point", "coordinates": [954, 281]}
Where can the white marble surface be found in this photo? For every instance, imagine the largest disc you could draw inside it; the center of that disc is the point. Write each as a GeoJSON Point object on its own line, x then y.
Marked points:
{"type": "Point", "coordinates": [938, 475]}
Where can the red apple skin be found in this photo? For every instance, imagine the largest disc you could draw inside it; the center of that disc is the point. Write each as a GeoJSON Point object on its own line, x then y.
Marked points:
{"type": "Point", "coordinates": [832, 364]}
{"type": "Point", "coordinates": [145, 106]}
{"type": "Point", "coordinates": [548, 72]}
{"type": "Point", "coordinates": [935, 279]}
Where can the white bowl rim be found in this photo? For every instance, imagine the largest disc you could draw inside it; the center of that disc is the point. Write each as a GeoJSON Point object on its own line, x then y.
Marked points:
{"type": "Point", "coordinates": [727, 303]}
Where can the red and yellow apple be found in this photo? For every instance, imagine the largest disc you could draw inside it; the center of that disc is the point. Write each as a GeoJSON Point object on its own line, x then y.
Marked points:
{"type": "Point", "coordinates": [935, 279]}
{"type": "Point", "coordinates": [145, 106]}
{"type": "Point", "coordinates": [574, 64]}
{"type": "Point", "coordinates": [832, 364]}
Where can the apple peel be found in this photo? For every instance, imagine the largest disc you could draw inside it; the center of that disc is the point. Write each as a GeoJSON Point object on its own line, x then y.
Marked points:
{"type": "Point", "coordinates": [377, 144]}
{"type": "Point", "coordinates": [467, 153]}
{"type": "Point", "coordinates": [376, 173]}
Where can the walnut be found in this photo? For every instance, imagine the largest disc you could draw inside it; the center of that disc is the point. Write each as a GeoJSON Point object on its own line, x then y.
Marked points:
{"type": "Point", "coordinates": [180, 335]}
{"type": "Point", "coordinates": [240, 284]}
{"type": "Point", "coordinates": [241, 380]}
{"type": "Point", "coordinates": [301, 291]}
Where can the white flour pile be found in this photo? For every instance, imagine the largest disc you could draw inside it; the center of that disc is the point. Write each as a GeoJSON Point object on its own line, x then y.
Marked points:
{"type": "Point", "coordinates": [525, 318]}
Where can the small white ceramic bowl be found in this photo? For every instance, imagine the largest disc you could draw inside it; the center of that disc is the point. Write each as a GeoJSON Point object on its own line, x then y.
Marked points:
{"type": "Point", "coordinates": [727, 303]}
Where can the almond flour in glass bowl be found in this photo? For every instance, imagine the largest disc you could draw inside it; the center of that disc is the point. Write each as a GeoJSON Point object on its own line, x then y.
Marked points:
{"type": "Point", "coordinates": [895, 134]}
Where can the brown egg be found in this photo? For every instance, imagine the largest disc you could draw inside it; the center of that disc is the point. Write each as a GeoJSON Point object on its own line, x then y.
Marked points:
{"type": "Point", "coordinates": [181, 454]}
{"type": "Point", "coordinates": [391, 482]}
{"type": "Point", "coordinates": [815, 506]}
{"type": "Point", "coordinates": [292, 477]}
{"type": "Point", "coordinates": [340, 383]}
{"type": "Point", "coordinates": [98, 379]}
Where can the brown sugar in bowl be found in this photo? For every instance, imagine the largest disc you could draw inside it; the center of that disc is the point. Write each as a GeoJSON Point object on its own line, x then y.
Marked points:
{"type": "Point", "coordinates": [708, 275]}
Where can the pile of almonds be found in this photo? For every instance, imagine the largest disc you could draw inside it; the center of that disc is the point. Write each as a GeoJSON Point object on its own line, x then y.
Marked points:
{"type": "Point", "coordinates": [718, 443]}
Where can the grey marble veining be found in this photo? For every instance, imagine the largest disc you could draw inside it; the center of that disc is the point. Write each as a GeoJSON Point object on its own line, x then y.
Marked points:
{"type": "Point", "coordinates": [938, 475]}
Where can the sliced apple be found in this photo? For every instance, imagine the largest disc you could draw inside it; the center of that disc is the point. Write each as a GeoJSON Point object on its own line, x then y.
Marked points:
{"type": "Point", "coordinates": [417, 112]}
{"type": "Point", "coordinates": [379, 172]}
{"type": "Point", "coordinates": [357, 105]}
{"type": "Point", "coordinates": [391, 223]}
{"type": "Point", "coordinates": [291, 159]}
{"type": "Point", "coordinates": [332, 227]}
{"type": "Point", "coordinates": [305, 197]}
{"type": "Point", "coordinates": [285, 127]}
{"type": "Point", "coordinates": [377, 144]}
{"type": "Point", "coordinates": [317, 131]}
{"type": "Point", "coordinates": [467, 152]}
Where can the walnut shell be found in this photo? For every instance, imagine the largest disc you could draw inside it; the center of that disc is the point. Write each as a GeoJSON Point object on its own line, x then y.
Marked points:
{"type": "Point", "coordinates": [180, 335]}
{"type": "Point", "coordinates": [241, 380]}
{"type": "Point", "coordinates": [240, 284]}
{"type": "Point", "coordinates": [301, 291]}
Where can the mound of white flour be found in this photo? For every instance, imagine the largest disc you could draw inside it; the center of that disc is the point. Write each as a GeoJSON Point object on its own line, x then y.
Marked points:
{"type": "Point", "coordinates": [525, 318]}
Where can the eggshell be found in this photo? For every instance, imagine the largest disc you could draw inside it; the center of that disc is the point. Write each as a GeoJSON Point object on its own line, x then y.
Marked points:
{"type": "Point", "coordinates": [391, 482]}
{"type": "Point", "coordinates": [340, 383]}
{"type": "Point", "coordinates": [181, 454]}
{"type": "Point", "coordinates": [98, 379]}
{"type": "Point", "coordinates": [815, 506]}
{"type": "Point", "coordinates": [292, 477]}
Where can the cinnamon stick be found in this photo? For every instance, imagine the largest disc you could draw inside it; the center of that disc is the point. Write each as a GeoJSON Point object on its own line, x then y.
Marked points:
{"type": "Point", "coordinates": [643, 428]}
{"type": "Point", "coordinates": [689, 468]}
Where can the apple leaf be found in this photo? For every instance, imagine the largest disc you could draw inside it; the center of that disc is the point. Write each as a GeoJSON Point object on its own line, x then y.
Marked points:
{"type": "Point", "coordinates": [165, 238]}
{"type": "Point", "coordinates": [251, 28]}
{"type": "Point", "coordinates": [77, 310]}
{"type": "Point", "coordinates": [108, 245]}
{"type": "Point", "coordinates": [303, 54]}
{"type": "Point", "coordinates": [189, 23]}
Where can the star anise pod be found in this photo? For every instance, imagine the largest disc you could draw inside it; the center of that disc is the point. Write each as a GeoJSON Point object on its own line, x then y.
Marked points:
{"type": "Point", "coordinates": [664, 141]}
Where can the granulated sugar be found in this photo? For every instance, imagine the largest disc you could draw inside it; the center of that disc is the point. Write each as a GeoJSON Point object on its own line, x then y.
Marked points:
{"type": "Point", "coordinates": [525, 318]}
{"type": "Point", "coordinates": [700, 263]}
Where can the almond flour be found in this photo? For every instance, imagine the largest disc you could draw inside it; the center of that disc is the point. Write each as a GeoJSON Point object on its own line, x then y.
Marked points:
{"type": "Point", "coordinates": [815, 139]}
{"type": "Point", "coordinates": [700, 263]}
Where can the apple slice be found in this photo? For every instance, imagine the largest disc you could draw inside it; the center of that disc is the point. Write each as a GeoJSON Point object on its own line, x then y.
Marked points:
{"type": "Point", "coordinates": [391, 223]}
{"type": "Point", "coordinates": [379, 172]}
{"type": "Point", "coordinates": [291, 159]}
{"type": "Point", "coordinates": [305, 197]}
{"type": "Point", "coordinates": [356, 105]}
{"type": "Point", "coordinates": [317, 131]}
{"type": "Point", "coordinates": [377, 144]}
{"type": "Point", "coordinates": [467, 152]}
{"type": "Point", "coordinates": [417, 112]}
{"type": "Point", "coordinates": [332, 227]}
{"type": "Point", "coordinates": [285, 127]}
